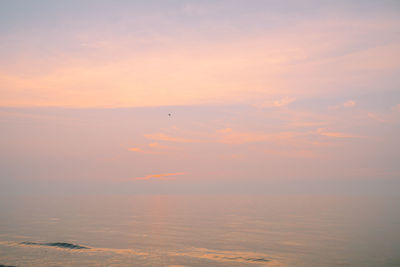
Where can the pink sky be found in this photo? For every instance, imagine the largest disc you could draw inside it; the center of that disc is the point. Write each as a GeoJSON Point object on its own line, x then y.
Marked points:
{"type": "Point", "coordinates": [259, 93]}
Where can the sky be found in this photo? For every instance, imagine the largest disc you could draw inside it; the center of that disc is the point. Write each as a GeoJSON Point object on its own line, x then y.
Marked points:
{"type": "Point", "coordinates": [186, 97]}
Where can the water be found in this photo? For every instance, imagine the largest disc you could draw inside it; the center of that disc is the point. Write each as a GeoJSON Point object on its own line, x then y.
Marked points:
{"type": "Point", "coordinates": [173, 230]}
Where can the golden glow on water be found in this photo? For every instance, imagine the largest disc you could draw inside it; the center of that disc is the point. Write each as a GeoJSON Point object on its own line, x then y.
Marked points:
{"type": "Point", "coordinates": [199, 133]}
{"type": "Point", "coordinates": [201, 230]}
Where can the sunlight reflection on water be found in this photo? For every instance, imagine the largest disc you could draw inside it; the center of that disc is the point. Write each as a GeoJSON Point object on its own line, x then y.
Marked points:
{"type": "Point", "coordinates": [200, 231]}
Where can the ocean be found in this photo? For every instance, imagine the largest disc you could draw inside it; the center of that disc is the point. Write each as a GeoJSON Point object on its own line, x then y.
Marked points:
{"type": "Point", "coordinates": [200, 230]}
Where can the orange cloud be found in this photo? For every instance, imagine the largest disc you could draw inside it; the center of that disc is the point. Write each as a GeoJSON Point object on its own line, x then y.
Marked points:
{"type": "Point", "coordinates": [227, 136]}
{"type": "Point", "coordinates": [321, 131]}
{"type": "Point", "coordinates": [160, 176]}
{"type": "Point", "coordinates": [278, 103]}
{"type": "Point", "coordinates": [159, 146]}
{"type": "Point", "coordinates": [283, 102]}
{"type": "Point", "coordinates": [135, 149]}
{"type": "Point", "coordinates": [349, 104]}
{"type": "Point", "coordinates": [154, 145]}
{"type": "Point", "coordinates": [164, 137]}
{"type": "Point", "coordinates": [243, 137]}
{"type": "Point", "coordinates": [226, 130]}
{"type": "Point", "coordinates": [293, 153]}
{"type": "Point", "coordinates": [115, 74]}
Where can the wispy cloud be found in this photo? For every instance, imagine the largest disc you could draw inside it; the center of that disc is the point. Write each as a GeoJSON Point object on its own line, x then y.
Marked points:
{"type": "Point", "coordinates": [160, 176]}
{"type": "Point", "coordinates": [292, 153]}
{"type": "Point", "coordinates": [242, 137]}
{"type": "Point", "coordinates": [283, 102]}
{"type": "Point", "coordinates": [135, 149]}
{"type": "Point", "coordinates": [349, 104]}
{"type": "Point", "coordinates": [346, 104]}
{"type": "Point", "coordinates": [164, 137]}
{"type": "Point", "coordinates": [396, 108]}
{"type": "Point", "coordinates": [277, 103]}
{"type": "Point", "coordinates": [391, 116]}
{"type": "Point", "coordinates": [322, 131]}
{"type": "Point", "coordinates": [227, 136]}
{"type": "Point", "coordinates": [382, 118]}
{"type": "Point", "coordinates": [158, 146]}
{"type": "Point", "coordinates": [258, 65]}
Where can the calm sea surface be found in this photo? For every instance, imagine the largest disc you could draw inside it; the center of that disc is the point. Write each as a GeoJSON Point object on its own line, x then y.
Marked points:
{"type": "Point", "coordinates": [200, 231]}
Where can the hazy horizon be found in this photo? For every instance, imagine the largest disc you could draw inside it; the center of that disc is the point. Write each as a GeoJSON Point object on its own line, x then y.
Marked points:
{"type": "Point", "coordinates": [197, 150]}
{"type": "Point", "coordinates": [199, 133]}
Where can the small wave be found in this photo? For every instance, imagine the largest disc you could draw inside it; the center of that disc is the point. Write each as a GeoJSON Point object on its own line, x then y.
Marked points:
{"type": "Point", "coordinates": [244, 259]}
{"type": "Point", "coordinates": [56, 244]}
{"type": "Point", "coordinates": [257, 259]}
{"type": "Point", "coordinates": [226, 255]}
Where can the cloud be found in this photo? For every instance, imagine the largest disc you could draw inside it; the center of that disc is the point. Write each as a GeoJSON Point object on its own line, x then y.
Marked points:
{"type": "Point", "coordinates": [396, 108]}
{"type": "Point", "coordinates": [349, 104]}
{"type": "Point", "coordinates": [160, 176]}
{"type": "Point", "coordinates": [153, 148]}
{"type": "Point", "coordinates": [135, 149]}
{"type": "Point", "coordinates": [321, 131]}
{"type": "Point", "coordinates": [243, 137]}
{"type": "Point", "coordinates": [292, 153]}
{"type": "Point", "coordinates": [164, 137]}
{"type": "Point", "coordinates": [391, 116]}
{"type": "Point", "coordinates": [283, 102]}
{"type": "Point", "coordinates": [226, 130]}
{"type": "Point", "coordinates": [120, 73]}
{"type": "Point", "coordinates": [346, 104]}
{"type": "Point", "coordinates": [378, 117]}
{"type": "Point", "coordinates": [158, 146]}
{"type": "Point", "coordinates": [227, 136]}
{"type": "Point", "coordinates": [278, 103]}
